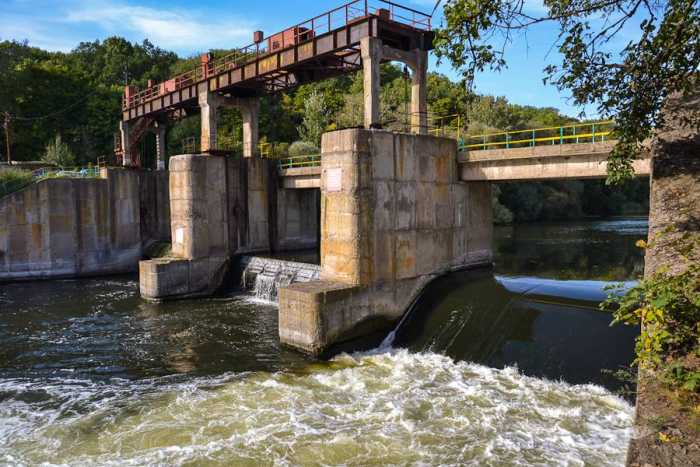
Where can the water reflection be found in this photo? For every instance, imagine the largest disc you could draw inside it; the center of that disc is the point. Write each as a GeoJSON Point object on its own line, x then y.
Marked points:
{"type": "Point", "coordinates": [100, 328]}
{"type": "Point", "coordinates": [546, 328]}
{"type": "Point", "coordinates": [603, 250]}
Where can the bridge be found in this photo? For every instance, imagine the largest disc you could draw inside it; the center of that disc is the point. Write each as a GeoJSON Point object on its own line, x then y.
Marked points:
{"type": "Point", "coordinates": [388, 211]}
{"type": "Point", "coordinates": [358, 35]}
{"type": "Point", "coordinates": [573, 151]}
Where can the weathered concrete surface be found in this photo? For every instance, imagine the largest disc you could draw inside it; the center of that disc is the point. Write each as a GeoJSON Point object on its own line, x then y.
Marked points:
{"type": "Point", "coordinates": [75, 227]}
{"type": "Point", "coordinates": [220, 207]}
{"type": "Point", "coordinates": [167, 278]}
{"type": "Point", "coordinates": [258, 195]}
{"type": "Point", "coordinates": [675, 206]}
{"type": "Point", "coordinates": [297, 219]}
{"type": "Point", "coordinates": [301, 177]}
{"type": "Point", "coordinates": [199, 221]}
{"type": "Point", "coordinates": [560, 161]}
{"type": "Point", "coordinates": [199, 229]}
{"type": "Point", "coordinates": [154, 194]}
{"type": "Point", "coordinates": [393, 216]}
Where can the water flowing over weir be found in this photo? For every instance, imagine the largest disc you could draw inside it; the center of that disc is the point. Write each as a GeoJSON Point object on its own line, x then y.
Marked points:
{"type": "Point", "coordinates": [547, 328]}
{"type": "Point", "coordinates": [265, 276]}
{"type": "Point", "coordinates": [92, 375]}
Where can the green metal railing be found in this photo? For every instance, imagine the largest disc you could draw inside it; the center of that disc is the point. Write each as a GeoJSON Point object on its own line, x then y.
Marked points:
{"type": "Point", "coordinates": [312, 160]}
{"type": "Point", "coordinates": [590, 132]}
{"type": "Point", "coordinates": [85, 172]}
{"type": "Point", "coordinates": [12, 184]}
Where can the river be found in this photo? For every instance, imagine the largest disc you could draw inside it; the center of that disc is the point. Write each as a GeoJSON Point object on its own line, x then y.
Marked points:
{"type": "Point", "coordinates": [490, 368]}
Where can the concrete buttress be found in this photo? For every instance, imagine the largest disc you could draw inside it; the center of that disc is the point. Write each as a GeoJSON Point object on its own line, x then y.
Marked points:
{"type": "Point", "coordinates": [394, 216]}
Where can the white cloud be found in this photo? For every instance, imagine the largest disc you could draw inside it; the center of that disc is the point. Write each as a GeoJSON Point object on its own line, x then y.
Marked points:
{"type": "Point", "coordinates": [169, 28]}
{"type": "Point", "coordinates": [62, 26]}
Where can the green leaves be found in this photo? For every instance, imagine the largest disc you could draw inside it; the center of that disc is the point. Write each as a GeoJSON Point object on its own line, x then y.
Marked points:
{"type": "Point", "coordinates": [667, 305]}
{"type": "Point", "coordinates": [629, 82]}
{"type": "Point", "coordinates": [59, 154]}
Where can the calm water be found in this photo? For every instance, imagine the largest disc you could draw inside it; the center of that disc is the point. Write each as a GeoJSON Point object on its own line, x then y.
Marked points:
{"type": "Point", "coordinates": [488, 369]}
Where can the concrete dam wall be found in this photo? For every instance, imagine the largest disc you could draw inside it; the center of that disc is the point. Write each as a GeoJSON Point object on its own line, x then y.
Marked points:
{"type": "Point", "coordinates": [77, 227]}
{"type": "Point", "coordinates": [394, 216]}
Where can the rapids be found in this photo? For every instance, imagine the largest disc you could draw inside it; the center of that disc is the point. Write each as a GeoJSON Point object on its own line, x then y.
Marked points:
{"type": "Point", "coordinates": [391, 408]}
{"type": "Point", "coordinates": [488, 370]}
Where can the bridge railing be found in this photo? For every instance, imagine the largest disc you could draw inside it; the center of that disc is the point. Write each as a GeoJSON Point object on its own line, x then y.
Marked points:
{"type": "Point", "coordinates": [302, 32]}
{"type": "Point", "coordinates": [311, 160]}
{"type": "Point", "coordinates": [589, 132]}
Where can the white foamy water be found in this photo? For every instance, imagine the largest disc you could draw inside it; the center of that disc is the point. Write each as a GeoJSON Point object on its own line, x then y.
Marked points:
{"type": "Point", "coordinates": [393, 408]}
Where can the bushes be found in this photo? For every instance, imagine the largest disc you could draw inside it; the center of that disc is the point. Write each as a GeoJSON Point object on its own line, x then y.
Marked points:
{"type": "Point", "coordinates": [667, 305]}
{"type": "Point", "coordinates": [302, 148]}
{"type": "Point", "coordinates": [12, 180]}
{"type": "Point", "coordinates": [58, 153]}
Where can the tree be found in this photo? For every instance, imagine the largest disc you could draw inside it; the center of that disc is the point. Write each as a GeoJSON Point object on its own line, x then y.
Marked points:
{"type": "Point", "coordinates": [316, 118]}
{"type": "Point", "coordinates": [59, 154]}
{"type": "Point", "coordinates": [629, 83]}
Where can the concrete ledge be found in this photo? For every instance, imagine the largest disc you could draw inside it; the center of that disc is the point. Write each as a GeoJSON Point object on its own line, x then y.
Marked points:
{"type": "Point", "coordinates": [313, 316]}
{"type": "Point", "coordinates": [301, 177]}
{"type": "Point", "coordinates": [557, 162]}
{"type": "Point", "coordinates": [574, 149]}
{"type": "Point", "coordinates": [174, 278]}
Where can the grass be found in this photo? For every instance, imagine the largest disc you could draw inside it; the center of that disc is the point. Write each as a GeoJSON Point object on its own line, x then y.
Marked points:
{"type": "Point", "coordinates": [12, 180]}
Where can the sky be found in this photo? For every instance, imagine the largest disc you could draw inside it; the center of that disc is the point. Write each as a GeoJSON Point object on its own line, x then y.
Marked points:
{"type": "Point", "coordinates": [188, 27]}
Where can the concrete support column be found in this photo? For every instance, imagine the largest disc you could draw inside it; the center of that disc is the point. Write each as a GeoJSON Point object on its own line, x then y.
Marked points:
{"type": "Point", "coordinates": [124, 130]}
{"type": "Point", "coordinates": [419, 93]}
{"type": "Point", "coordinates": [209, 103]}
{"type": "Point", "coordinates": [250, 112]}
{"type": "Point", "coordinates": [161, 150]}
{"type": "Point", "coordinates": [371, 51]}
{"type": "Point", "coordinates": [417, 61]}
{"type": "Point", "coordinates": [199, 225]}
{"type": "Point", "coordinates": [199, 218]}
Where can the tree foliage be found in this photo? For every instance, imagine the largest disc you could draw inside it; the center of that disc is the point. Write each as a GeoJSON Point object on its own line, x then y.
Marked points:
{"type": "Point", "coordinates": [668, 304]}
{"type": "Point", "coordinates": [629, 83]}
{"type": "Point", "coordinates": [78, 95]}
{"type": "Point", "coordinates": [59, 154]}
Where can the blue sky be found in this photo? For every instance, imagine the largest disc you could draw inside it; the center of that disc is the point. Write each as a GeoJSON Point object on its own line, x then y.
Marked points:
{"type": "Point", "coordinates": [190, 26]}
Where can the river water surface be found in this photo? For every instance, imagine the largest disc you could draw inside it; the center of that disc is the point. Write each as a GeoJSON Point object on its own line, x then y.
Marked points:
{"type": "Point", "coordinates": [487, 369]}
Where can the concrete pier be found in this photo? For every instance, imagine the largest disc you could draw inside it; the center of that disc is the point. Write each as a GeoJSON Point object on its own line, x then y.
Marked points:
{"type": "Point", "coordinates": [199, 223]}
{"type": "Point", "coordinates": [393, 217]}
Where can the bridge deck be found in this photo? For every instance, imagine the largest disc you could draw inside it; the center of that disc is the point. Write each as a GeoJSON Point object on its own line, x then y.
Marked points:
{"type": "Point", "coordinates": [322, 47]}
{"type": "Point", "coordinates": [554, 162]}
{"type": "Point", "coordinates": [549, 162]}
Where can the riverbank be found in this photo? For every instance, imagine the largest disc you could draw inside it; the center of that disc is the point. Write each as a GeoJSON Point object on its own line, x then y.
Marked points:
{"type": "Point", "coordinates": [667, 427]}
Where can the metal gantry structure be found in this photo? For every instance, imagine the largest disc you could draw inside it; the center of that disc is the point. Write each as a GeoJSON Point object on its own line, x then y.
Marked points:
{"type": "Point", "coordinates": [325, 46]}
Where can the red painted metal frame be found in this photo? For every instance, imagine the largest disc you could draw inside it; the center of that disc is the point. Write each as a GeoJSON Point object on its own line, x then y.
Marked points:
{"type": "Point", "coordinates": [306, 31]}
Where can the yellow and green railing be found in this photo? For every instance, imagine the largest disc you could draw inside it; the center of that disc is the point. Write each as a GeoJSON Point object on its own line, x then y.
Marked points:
{"type": "Point", "coordinates": [590, 132]}
{"type": "Point", "coordinates": [451, 126]}
{"type": "Point", "coordinates": [276, 151]}
{"type": "Point", "coordinates": [312, 160]}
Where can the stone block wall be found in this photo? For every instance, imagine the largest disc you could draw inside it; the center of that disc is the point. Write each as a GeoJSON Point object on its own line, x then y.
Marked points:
{"type": "Point", "coordinates": [393, 208]}
{"type": "Point", "coordinates": [198, 206]}
{"type": "Point", "coordinates": [199, 228]}
{"type": "Point", "coordinates": [393, 217]}
{"type": "Point", "coordinates": [72, 227]}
